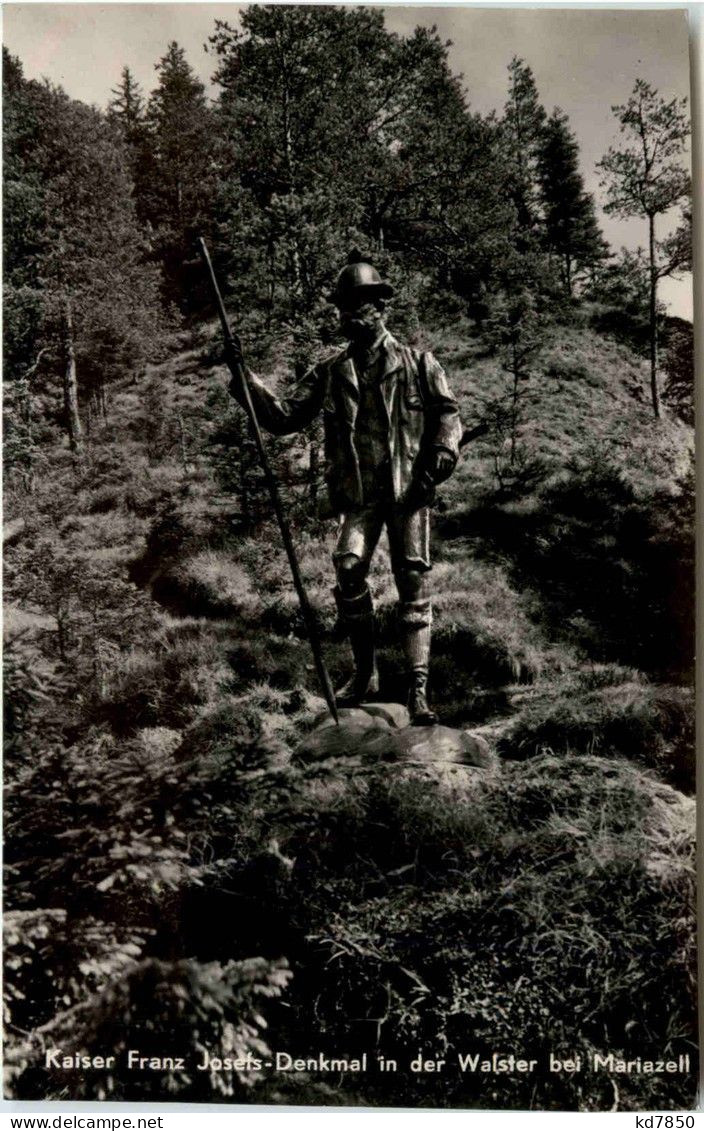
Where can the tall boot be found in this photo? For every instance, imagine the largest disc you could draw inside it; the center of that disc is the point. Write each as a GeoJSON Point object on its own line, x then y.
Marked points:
{"type": "Point", "coordinates": [416, 620]}
{"type": "Point", "coordinates": [357, 615]}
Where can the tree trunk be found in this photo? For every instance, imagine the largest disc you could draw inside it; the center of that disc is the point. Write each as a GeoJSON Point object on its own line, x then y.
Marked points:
{"type": "Point", "coordinates": [515, 368]}
{"type": "Point", "coordinates": [25, 409]}
{"type": "Point", "coordinates": [653, 317]}
{"type": "Point", "coordinates": [179, 202]}
{"type": "Point", "coordinates": [73, 419]}
{"type": "Point", "coordinates": [313, 473]}
{"type": "Point", "coordinates": [296, 282]}
{"type": "Point", "coordinates": [99, 672]}
{"type": "Point", "coordinates": [290, 167]}
{"type": "Point", "coordinates": [182, 444]}
{"type": "Point", "coordinates": [60, 618]}
{"type": "Point", "coordinates": [271, 287]}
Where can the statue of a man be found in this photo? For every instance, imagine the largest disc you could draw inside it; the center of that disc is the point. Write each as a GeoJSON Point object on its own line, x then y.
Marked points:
{"type": "Point", "coordinates": [392, 432]}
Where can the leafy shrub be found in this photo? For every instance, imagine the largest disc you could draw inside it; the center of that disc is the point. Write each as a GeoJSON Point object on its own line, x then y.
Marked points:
{"type": "Point", "coordinates": [201, 1006]}
{"type": "Point", "coordinates": [574, 369]}
{"type": "Point", "coordinates": [105, 499]}
{"type": "Point", "coordinates": [629, 326]}
{"type": "Point", "coordinates": [239, 736]}
{"type": "Point", "coordinates": [52, 961]}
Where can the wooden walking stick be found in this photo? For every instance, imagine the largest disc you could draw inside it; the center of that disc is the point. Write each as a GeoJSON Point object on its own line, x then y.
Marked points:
{"type": "Point", "coordinates": [233, 348]}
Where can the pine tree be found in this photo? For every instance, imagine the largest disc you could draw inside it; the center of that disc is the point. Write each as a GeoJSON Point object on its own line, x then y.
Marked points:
{"type": "Point", "coordinates": [571, 229]}
{"type": "Point", "coordinates": [295, 117]}
{"type": "Point", "coordinates": [517, 331]}
{"type": "Point", "coordinates": [96, 252]}
{"type": "Point", "coordinates": [180, 148]}
{"type": "Point", "coordinates": [84, 302]}
{"type": "Point", "coordinates": [339, 132]}
{"type": "Point", "coordinates": [647, 177]}
{"type": "Point", "coordinates": [127, 111]}
{"type": "Point", "coordinates": [23, 115]}
{"type": "Point", "coordinates": [522, 128]}
{"type": "Point", "coordinates": [429, 180]}
{"type": "Point", "coordinates": [127, 105]}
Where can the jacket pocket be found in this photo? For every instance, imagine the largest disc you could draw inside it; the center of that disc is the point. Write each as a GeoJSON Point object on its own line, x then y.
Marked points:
{"type": "Point", "coordinates": [411, 393]}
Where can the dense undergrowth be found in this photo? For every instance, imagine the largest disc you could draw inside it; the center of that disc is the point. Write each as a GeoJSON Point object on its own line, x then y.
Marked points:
{"type": "Point", "coordinates": [171, 872]}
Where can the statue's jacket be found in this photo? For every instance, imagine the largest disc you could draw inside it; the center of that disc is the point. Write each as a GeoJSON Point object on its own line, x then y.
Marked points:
{"type": "Point", "coordinates": [421, 411]}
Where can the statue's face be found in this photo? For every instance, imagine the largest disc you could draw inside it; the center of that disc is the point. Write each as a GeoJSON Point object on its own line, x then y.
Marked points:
{"type": "Point", "coordinates": [360, 322]}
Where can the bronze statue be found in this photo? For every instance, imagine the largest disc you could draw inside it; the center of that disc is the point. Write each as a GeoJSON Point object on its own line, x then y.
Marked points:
{"type": "Point", "coordinates": [392, 433]}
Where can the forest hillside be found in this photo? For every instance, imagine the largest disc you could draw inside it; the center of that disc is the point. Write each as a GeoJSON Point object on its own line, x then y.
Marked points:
{"type": "Point", "coordinates": [178, 872]}
{"type": "Point", "coordinates": [161, 834]}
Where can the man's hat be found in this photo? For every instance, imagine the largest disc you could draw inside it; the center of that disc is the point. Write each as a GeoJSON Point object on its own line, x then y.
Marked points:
{"type": "Point", "coordinates": [358, 279]}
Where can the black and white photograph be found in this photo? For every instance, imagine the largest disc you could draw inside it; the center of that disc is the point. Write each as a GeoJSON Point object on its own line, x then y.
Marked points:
{"type": "Point", "coordinates": [348, 540]}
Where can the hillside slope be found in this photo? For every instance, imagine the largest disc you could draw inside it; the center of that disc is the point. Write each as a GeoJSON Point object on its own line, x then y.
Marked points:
{"type": "Point", "coordinates": [170, 859]}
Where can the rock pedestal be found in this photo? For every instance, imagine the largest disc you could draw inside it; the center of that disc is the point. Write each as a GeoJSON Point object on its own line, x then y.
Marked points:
{"type": "Point", "coordinates": [381, 732]}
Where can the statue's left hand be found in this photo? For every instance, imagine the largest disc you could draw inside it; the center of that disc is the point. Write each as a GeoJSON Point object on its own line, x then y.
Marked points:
{"type": "Point", "coordinates": [235, 363]}
{"type": "Point", "coordinates": [443, 464]}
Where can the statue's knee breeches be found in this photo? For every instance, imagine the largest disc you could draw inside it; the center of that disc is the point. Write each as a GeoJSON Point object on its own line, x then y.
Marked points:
{"type": "Point", "coordinates": [415, 616]}
{"type": "Point", "coordinates": [409, 540]}
{"type": "Point", "coordinates": [414, 598]}
{"type": "Point", "coordinates": [356, 541]}
{"type": "Point", "coordinates": [351, 574]}
{"type": "Point", "coordinates": [355, 607]}
{"type": "Point", "coordinates": [411, 584]}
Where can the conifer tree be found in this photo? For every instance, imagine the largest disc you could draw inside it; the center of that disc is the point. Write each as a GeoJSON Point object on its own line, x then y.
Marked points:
{"type": "Point", "coordinates": [296, 115]}
{"type": "Point", "coordinates": [180, 150]}
{"type": "Point", "coordinates": [127, 111]}
{"type": "Point", "coordinates": [522, 128]}
{"type": "Point", "coordinates": [338, 132]}
{"type": "Point", "coordinates": [571, 228]}
{"type": "Point", "coordinates": [127, 104]}
{"type": "Point", "coordinates": [646, 176]}
{"type": "Point", "coordinates": [84, 303]}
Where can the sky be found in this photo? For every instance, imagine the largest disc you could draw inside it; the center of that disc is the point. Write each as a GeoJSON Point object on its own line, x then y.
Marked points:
{"type": "Point", "coordinates": [584, 61]}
